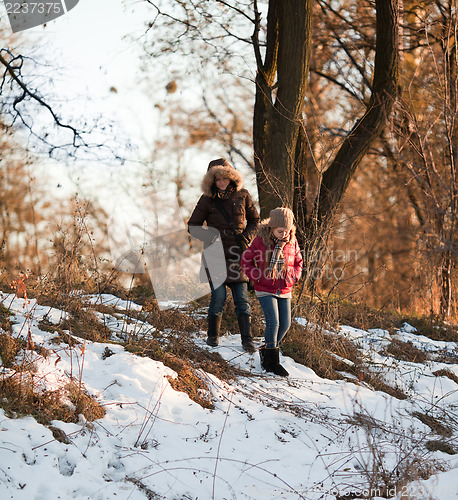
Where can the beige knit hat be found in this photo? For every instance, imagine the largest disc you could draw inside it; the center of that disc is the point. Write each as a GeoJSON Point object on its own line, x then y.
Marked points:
{"type": "Point", "coordinates": [281, 217]}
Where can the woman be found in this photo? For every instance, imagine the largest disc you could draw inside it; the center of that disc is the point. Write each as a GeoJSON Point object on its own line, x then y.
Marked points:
{"type": "Point", "coordinates": [274, 263]}
{"type": "Point", "coordinates": [226, 206]}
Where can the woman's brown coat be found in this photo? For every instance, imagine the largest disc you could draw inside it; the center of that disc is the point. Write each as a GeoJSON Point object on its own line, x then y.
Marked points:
{"type": "Point", "coordinates": [239, 207]}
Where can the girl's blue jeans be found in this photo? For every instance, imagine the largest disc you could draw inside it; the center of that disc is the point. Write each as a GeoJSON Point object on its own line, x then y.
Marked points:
{"type": "Point", "coordinates": [277, 313]}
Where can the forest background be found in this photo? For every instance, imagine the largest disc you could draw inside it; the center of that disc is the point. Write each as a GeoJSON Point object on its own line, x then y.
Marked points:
{"type": "Point", "coordinates": [345, 111]}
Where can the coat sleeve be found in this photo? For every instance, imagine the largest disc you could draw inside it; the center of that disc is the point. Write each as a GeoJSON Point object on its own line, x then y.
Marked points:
{"type": "Point", "coordinates": [298, 262]}
{"type": "Point", "coordinates": [248, 260]}
{"type": "Point", "coordinates": [195, 223]}
{"type": "Point", "coordinates": [253, 219]}
{"type": "Point", "coordinates": [199, 214]}
{"type": "Point", "coordinates": [294, 271]}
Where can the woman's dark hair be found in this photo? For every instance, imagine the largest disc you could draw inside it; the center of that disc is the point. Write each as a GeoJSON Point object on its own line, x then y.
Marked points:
{"type": "Point", "coordinates": [230, 188]}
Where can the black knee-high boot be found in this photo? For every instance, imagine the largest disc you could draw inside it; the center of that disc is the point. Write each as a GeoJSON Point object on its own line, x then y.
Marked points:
{"type": "Point", "coordinates": [245, 332]}
{"type": "Point", "coordinates": [214, 326]}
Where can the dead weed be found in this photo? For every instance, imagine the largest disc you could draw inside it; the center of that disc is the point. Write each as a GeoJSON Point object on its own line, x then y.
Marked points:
{"type": "Point", "coordinates": [20, 397]}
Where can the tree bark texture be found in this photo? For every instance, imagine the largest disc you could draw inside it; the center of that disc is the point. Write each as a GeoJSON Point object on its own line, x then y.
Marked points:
{"type": "Point", "coordinates": [281, 83]}
{"type": "Point", "coordinates": [278, 123]}
{"type": "Point", "coordinates": [366, 130]}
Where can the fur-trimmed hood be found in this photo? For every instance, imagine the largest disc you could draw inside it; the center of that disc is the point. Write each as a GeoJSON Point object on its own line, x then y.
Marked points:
{"type": "Point", "coordinates": [208, 180]}
{"type": "Point", "coordinates": [264, 232]}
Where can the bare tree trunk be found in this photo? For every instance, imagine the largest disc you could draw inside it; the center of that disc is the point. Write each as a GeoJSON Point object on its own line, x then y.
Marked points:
{"type": "Point", "coordinates": [279, 145]}
{"type": "Point", "coordinates": [366, 130]}
{"type": "Point", "coordinates": [279, 104]}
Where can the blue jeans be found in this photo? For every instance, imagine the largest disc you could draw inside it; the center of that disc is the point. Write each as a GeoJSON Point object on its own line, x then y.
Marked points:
{"type": "Point", "coordinates": [277, 312]}
{"type": "Point", "coordinates": [239, 294]}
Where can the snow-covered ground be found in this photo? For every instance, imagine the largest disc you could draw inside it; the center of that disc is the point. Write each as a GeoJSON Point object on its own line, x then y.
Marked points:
{"type": "Point", "coordinates": [267, 438]}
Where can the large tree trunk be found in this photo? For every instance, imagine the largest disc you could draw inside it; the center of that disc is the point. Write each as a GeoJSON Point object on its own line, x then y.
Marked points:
{"type": "Point", "coordinates": [279, 153]}
{"type": "Point", "coordinates": [279, 104]}
{"type": "Point", "coordinates": [366, 130]}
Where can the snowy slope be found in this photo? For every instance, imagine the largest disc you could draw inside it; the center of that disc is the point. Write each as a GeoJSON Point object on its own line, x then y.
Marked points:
{"type": "Point", "coordinates": [267, 438]}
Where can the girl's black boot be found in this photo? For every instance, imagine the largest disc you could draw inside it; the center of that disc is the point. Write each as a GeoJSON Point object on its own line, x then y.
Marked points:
{"type": "Point", "coordinates": [270, 361]}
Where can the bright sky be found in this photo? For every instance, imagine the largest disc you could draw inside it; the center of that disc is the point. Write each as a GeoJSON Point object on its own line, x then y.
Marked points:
{"type": "Point", "coordinates": [98, 51]}
{"type": "Point", "coordinates": [97, 47]}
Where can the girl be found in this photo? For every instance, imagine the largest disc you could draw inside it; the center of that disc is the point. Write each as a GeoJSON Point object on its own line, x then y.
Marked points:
{"type": "Point", "coordinates": [274, 263]}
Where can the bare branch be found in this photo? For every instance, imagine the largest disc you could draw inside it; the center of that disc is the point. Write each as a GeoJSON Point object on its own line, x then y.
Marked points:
{"type": "Point", "coordinates": [15, 75]}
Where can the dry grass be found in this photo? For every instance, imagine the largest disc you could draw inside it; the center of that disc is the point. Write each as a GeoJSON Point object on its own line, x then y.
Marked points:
{"type": "Point", "coordinates": [434, 424]}
{"type": "Point", "coordinates": [84, 323]}
{"type": "Point", "coordinates": [331, 356]}
{"type": "Point", "coordinates": [5, 318]}
{"type": "Point", "coordinates": [390, 456]}
{"type": "Point", "coordinates": [334, 311]}
{"type": "Point", "coordinates": [446, 373]}
{"type": "Point", "coordinates": [377, 383]}
{"type": "Point", "coordinates": [179, 320]}
{"type": "Point", "coordinates": [315, 348]}
{"type": "Point", "coordinates": [62, 336]}
{"type": "Point", "coordinates": [177, 351]}
{"type": "Point", "coordinates": [405, 351]}
{"type": "Point", "coordinates": [20, 397]}
{"type": "Point", "coordinates": [84, 403]}
{"type": "Point", "coordinates": [9, 349]}
{"type": "Point", "coordinates": [82, 319]}
{"type": "Point", "coordinates": [20, 387]}
{"type": "Point", "coordinates": [189, 382]}
{"type": "Point", "coordinates": [443, 446]}
{"type": "Point", "coordinates": [434, 328]}
{"type": "Point", "coordinates": [21, 393]}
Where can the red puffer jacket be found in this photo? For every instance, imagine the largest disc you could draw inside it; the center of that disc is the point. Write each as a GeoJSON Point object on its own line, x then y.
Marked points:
{"type": "Point", "coordinates": [254, 263]}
